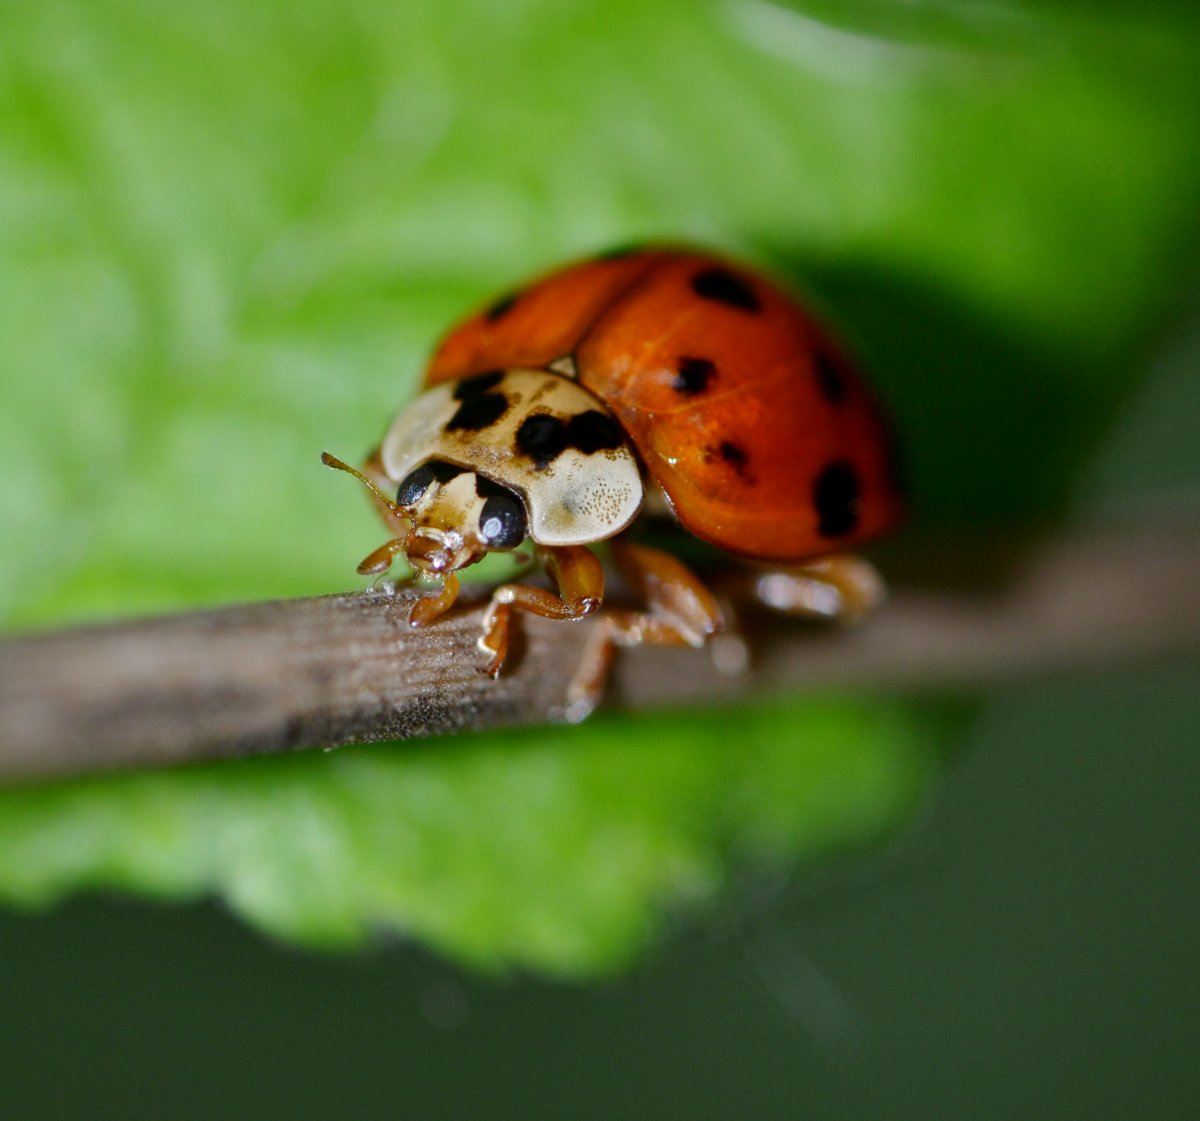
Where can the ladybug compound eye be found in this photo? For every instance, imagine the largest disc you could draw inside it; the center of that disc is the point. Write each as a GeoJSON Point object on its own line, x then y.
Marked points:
{"type": "Point", "coordinates": [502, 522]}
{"type": "Point", "coordinates": [414, 486]}
{"type": "Point", "coordinates": [416, 482]}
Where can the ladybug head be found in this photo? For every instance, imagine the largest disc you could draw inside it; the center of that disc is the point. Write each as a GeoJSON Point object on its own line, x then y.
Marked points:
{"type": "Point", "coordinates": [457, 516]}
{"type": "Point", "coordinates": [454, 515]}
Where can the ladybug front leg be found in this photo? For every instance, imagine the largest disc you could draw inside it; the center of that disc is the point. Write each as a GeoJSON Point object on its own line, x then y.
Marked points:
{"type": "Point", "coordinates": [679, 611]}
{"type": "Point", "coordinates": [841, 587]}
{"type": "Point", "coordinates": [579, 582]}
{"type": "Point", "coordinates": [435, 605]}
{"type": "Point", "coordinates": [378, 561]}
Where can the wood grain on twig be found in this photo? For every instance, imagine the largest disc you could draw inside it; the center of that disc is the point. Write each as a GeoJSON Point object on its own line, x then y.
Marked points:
{"type": "Point", "coordinates": [347, 668]}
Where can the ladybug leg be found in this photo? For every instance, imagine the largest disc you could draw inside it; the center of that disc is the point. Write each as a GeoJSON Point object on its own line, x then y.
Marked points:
{"type": "Point", "coordinates": [431, 607]}
{"type": "Point", "coordinates": [840, 587]}
{"type": "Point", "coordinates": [678, 604]}
{"type": "Point", "coordinates": [679, 611]}
{"type": "Point", "coordinates": [579, 582]}
{"type": "Point", "coordinates": [378, 561]}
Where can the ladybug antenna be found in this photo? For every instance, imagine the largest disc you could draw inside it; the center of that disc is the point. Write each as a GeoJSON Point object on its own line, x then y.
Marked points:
{"type": "Point", "coordinates": [333, 461]}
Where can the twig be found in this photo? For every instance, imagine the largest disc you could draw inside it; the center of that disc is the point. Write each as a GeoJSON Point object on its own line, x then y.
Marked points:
{"type": "Point", "coordinates": [347, 668]}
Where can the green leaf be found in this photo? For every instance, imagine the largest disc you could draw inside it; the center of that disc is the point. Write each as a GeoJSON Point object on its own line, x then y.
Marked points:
{"type": "Point", "coordinates": [230, 234]}
{"type": "Point", "coordinates": [555, 851]}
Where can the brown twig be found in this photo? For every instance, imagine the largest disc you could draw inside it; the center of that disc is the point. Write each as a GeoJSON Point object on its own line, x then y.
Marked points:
{"type": "Point", "coordinates": [347, 668]}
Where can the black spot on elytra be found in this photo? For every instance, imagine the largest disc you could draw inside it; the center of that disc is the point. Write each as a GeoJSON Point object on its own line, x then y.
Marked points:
{"type": "Point", "coordinates": [543, 438]}
{"type": "Point", "coordinates": [479, 383]}
{"type": "Point", "coordinates": [735, 456]}
{"type": "Point", "coordinates": [479, 408]}
{"type": "Point", "coordinates": [836, 495]}
{"type": "Point", "coordinates": [830, 379]}
{"type": "Point", "coordinates": [501, 307]}
{"type": "Point", "coordinates": [692, 376]}
{"type": "Point", "coordinates": [722, 286]}
{"type": "Point", "coordinates": [417, 481]}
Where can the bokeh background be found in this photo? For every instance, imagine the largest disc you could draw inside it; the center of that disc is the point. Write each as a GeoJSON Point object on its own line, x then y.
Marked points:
{"type": "Point", "coordinates": [228, 236]}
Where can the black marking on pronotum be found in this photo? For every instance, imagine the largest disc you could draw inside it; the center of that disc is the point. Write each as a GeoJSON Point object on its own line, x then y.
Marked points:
{"type": "Point", "coordinates": [592, 432]}
{"type": "Point", "coordinates": [722, 286]}
{"type": "Point", "coordinates": [830, 379]}
{"type": "Point", "coordinates": [692, 376]}
{"type": "Point", "coordinates": [479, 407]}
{"type": "Point", "coordinates": [543, 438]}
{"type": "Point", "coordinates": [501, 307]}
{"type": "Point", "coordinates": [502, 521]}
{"type": "Point", "coordinates": [477, 384]}
{"type": "Point", "coordinates": [478, 412]}
{"type": "Point", "coordinates": [837, 494]}
{"type": "Point", "coordinates": [416, 482]}
{"type": "Point", "coordinates": [485, 488]}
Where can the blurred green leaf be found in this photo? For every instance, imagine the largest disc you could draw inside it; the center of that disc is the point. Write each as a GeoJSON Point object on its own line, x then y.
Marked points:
{"type": "Point", "coordinates": [554, 851]}
{"type": "Point", "coordinates": [230, 233]}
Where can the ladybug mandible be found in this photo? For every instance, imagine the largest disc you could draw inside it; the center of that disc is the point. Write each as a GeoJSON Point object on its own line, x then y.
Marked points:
{"type": "Point", "coordinates": [657, 379]}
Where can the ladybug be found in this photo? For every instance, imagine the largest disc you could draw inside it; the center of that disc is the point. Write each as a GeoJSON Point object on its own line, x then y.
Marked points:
{"type": "Point", "coordinates": [659, 380]}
